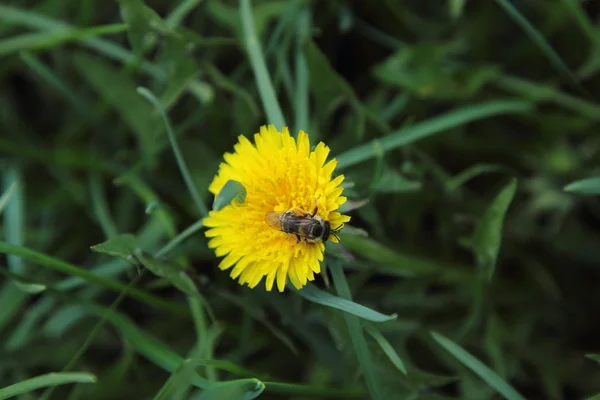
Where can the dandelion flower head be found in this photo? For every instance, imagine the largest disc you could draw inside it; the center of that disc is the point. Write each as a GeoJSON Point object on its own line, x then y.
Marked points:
{"type": "Point", "coordinates": [279, 174]}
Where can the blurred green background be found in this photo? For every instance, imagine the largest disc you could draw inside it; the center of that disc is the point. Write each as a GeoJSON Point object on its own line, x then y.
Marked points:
{"type": "Point", "coordinates": [467, 132]}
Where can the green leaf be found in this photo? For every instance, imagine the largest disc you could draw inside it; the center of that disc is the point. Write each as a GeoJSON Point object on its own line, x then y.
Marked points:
{"type": "Point", "coordinates": [473, 171]}
{"type": "Point", "coordinates": [584, 186]}
{"type": "Point", "coordinates": [480, 369]}
{"type": "Point", "coordinates": [232, 190]}
{"type": "Point", "coordinates": [164, 269]}
{"type": "Point", "coordinates": [429, 127]}
{"type": "Point", "coordinates": [118, 90]}
{"type": "Point", "coordinates": [387, 348]}
{"type": "Point", "coordinates": [187, 177]}
{"type": "Point", "coordinates": [391, 181]}
{"type": "Point", "coordinates": [243, 389]}
{"type": "Point", "coordinates": [45, 40]}
{"type": "Point", "coordinates": [430, 70]}
{"type": "Point", "coordinates": [595, 357]}
{"type": "Point", "coordinates": [356, 334]}
{"type": "Point", "coordinates": [259, 67]}
{"type": "Point", "coordinates": [47, 380]}
{"type": "Point", "coordinates": [488, 234]}
{"type": "Point", "coordinates": [122, 246]}
{"type": "Point", "coordinates": [456, 7]}
{"type": "Point", "coordinates": [139, 19]}
{"type": "Point", "coordinates": [31, 288]}
{"type": "Point", "coordinates": [538, 39]}
{"type": "Point", "coordinates": [316, 295]}
{"type": "Point", "coordinates": [7, 195]}
{"type": "Point", "coordinates": [58, 265]}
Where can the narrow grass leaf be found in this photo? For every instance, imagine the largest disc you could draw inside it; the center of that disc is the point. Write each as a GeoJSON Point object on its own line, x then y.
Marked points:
{"type": "Point", "coordinates": [316, 295]}
{"type": "Point", "coordinates": [31, 288]}
{"type": "Point", "coordinates": [451, 119]}
{"type": "Point", "coordinates": [291, 390]}
{"type": "Point", "coordinates": [7, 195]}
{"type": "Point", "coordinates": [488, 234]}
{"type": "Point", "coordinates": [181, 379]}
{"type": "Point", "coordinates": [538, 39]}
{"type": "Point", "coordinates": [538, 92]}
{"type": "Point", "coordinates": [180, 12]}
{"type": "Point", "coordinates": [122, 246]}
{"type": "Point", "coordinates": [387, 348]}
{"type": "Point", "coordinates": [595, 357]}
{"type": "Point", "coordinates": [58, 265]}
{"type": "Point", "coordinates": [101, 209]}
{"type": "Point", "coordinates": [118, 90]}
{"type": "Point", "coordinates": [471, 172]}
{"type": "Point", "coordinates": [259, 67]}
{"type": "Point", "coordinates": [243, 389]}
{"type": "Point", "coordinates": [176, 150]}
{"type": "Point", "coordinates": [301, 105]}
{"type": "Point", "coordinates": [356, 334]}
{"type": "Point", "coordinates": [584, 186]}
{"type": "Point", "coordinates": [51, 77]}
{"type": "Point", "coordinates": [480, 369]}
{"type": "Point", "coordinates": [164, 269]}
{"type": "Point", "coordinates": [232, 190]}
{"type": "Point", "coordinates": [189, 231]}
{"type": "Point", "coordinates": [47, 380]}
{"type": "Point", "coordinates": [45, 40]}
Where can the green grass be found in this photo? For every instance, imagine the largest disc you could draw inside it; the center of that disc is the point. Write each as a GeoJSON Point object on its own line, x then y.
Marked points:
{"type": "Point", "coordinates": [467, 133]}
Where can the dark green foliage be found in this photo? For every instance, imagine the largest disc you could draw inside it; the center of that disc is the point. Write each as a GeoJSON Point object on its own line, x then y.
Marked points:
{"type": "Point", "coordinates": [468, 135]}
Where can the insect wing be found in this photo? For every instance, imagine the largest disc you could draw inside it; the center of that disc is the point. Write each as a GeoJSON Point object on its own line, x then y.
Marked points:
{"type": "Point", "coordinates": [273, 219]}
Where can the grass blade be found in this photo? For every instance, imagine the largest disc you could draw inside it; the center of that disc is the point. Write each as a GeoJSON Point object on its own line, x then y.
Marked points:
{"type": "Point", "coordinates": [488, 234]}
{"type": "Point", "coordinates": [538, 39]}
{"type": "Point", "coordinates": [189, 231]}
{"type": "Point", "coordinates": [584, 186]}
{"type": "Point", "coordinates": [259, 67]}
{"type": "Point", "coordinates": [8, 192]}
{"type": "Point", "coordinates": [387, 348]}
{"type": "Point", "coordinates": [177, 151]}
{"type": "Point", "coordinates": [301, 107]}
{"type": "Point", "coordinates": [101, 210]}
{"type": "Point", "coordinates": [356, 334]}
{"type": "Point", "coordinates": [45, 40]}
{"type": "Point", "coordinates": [47, 380]}
{"type": "Point", "coordinates": [480, 369]}
{"type": "Point", "coordinates": [316, 295]}
{"type": "Point", "coordinates": [58, 265]}
{"type": "Point", "coordinates": [430, 127]}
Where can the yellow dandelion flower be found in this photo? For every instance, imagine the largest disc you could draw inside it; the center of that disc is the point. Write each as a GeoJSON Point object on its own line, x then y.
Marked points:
{"type": "Point", "coordinates": [280, 174]}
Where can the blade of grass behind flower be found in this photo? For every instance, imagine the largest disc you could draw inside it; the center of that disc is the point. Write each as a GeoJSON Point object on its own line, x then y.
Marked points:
{"type": "Point", "coordinates": [259, 67]}
{"type": "Point", "coordinates": [538, 39]}
{"type": "Point", "coordinates": [449, 120]}
{"type": "Point", "coordinates": [187, 177]}
{"type": "Point", "coordinates": [356, 334]}
{"type": "Point", "coordinates": [47, 380]}
{"type": "Point", "coordinates": [302, 73]}
{"type": "Point", "coordinates": [480, 369]}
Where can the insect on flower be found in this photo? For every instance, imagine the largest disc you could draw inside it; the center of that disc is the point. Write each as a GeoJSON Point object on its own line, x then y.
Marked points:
{"type": "Point", "coordinates": [270, 235]}
{"type": "Point", "coordinates": [307, 227]}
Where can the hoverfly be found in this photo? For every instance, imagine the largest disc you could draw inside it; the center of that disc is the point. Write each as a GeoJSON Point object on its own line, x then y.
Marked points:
{"type": "Point", "coordinates": [307, 227]}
